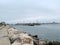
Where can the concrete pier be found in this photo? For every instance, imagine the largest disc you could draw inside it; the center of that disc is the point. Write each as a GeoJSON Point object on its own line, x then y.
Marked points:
{"type": "Point", "coordinates": [4, 40]}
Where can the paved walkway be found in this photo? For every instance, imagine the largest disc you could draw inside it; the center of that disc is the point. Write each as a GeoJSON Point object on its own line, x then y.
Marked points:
{"type": "Point", "coordinates": [4, 40]}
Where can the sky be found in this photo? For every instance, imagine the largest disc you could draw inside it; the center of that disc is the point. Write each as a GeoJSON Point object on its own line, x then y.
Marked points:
{"type": "Point", "coordinates": [18, 11]}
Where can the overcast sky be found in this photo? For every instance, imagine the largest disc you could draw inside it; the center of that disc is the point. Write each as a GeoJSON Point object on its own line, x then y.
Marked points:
{"type": "Point", "coordinates": [13, 11]}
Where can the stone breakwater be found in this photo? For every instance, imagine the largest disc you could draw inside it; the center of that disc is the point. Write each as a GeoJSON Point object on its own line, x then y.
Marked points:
{"type": "Point", "coordinates": [12, 36]}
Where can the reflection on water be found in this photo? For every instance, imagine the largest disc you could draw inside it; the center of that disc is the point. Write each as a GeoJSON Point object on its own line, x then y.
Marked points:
{"type": "Point", "coordinates": [48, 32]}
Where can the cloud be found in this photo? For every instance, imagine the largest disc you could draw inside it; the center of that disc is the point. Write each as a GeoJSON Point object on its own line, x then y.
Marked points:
{"type": "Point", "coordinates": [13, 11]}
{"type": "Point", "coordinates": [40, 18]}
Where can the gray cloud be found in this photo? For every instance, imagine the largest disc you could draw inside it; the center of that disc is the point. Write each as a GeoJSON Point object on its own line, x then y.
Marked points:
{"type": "Point", "coordinates": [31, 10]}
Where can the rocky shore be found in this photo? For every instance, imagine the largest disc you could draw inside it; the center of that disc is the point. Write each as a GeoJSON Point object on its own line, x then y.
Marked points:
{"type": "Point", "coordinates": [12, 36]}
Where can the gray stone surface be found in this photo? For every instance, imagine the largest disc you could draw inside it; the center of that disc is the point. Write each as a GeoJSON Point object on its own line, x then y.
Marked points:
{"type": "Point", "coordinates": [4, 40]}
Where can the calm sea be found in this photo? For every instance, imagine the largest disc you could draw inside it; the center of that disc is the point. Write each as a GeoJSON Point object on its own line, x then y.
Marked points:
{"type": "Point", "coordinates": [47, 32]}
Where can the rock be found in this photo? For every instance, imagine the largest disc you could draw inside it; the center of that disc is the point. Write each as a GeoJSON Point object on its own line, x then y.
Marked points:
{"type": "Point", "coordinates": [23, 39]}
{"type": "Point", "coordinates": [53, 43]}
{"type": "Point", "coordinates": [12, 36]}
{"type": "Point", "coordinates": [13, 33]}
{"type": "Point", "coordinates": [35, 39]}
{"type": "Point", "coordinates": [19, 37]}
{"type": "Point", "coordinates": [42, 42]}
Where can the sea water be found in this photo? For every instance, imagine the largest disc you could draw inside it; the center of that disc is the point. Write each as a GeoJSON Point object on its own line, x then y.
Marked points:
{"type": "Point", "coordinates": [48, 32]}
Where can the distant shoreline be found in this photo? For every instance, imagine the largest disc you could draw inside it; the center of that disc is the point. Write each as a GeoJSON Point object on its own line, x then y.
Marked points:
{"type": "Point", "coordinates": [34, 24]}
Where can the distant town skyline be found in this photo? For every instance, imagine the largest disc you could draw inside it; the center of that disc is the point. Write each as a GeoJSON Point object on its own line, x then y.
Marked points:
{"type": "Point", "coordinates": [18, 11]}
